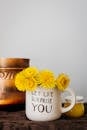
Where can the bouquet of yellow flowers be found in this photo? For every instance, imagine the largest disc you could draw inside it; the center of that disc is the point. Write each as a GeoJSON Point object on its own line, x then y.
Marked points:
{"type": "Point", "coordinates": [30, 78]}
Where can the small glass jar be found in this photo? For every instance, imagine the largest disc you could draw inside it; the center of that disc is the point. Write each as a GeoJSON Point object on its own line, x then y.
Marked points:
{"type": "Point", "coordinates": [78, 109]}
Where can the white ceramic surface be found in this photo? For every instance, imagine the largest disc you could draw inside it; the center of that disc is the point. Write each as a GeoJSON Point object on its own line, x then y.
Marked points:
{"type": "Point", "coordinates": [45, 104]}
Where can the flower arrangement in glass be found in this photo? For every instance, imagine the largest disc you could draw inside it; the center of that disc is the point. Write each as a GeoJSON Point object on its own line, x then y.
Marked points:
{"type": "Point", "coordinates": [31, 78]}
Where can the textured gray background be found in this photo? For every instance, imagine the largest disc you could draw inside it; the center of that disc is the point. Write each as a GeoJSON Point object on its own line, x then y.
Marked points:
{"type": "Point", "coordinates": [52, 33]}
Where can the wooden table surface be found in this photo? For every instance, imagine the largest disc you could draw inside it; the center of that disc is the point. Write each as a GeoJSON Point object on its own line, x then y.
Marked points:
{"type": "Point", "coordinates": [16, 120]}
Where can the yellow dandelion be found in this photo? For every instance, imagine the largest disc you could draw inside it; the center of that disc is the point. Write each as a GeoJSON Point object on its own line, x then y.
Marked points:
{"type": "Point", "coordinates": [26, 79]}
{"type": "Point", "coordinates": [30, 84]}
{"type": "Point", "coordinates": [19, 82]}
{"type": "Point", "coordinates": [31, 72]}
{"type": "Point", "coordinates": [46, 79]}
{"type": "Point", "coordinates": [62, 81]}
{"type": "Point", "coordinates": [30, 78]}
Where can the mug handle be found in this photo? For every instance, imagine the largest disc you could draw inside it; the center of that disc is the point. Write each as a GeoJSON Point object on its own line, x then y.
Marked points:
{"type": "Point", "coordinates": [72, 101]}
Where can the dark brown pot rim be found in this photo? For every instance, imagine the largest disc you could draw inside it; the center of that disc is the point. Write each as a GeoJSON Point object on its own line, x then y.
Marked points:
{"type": "Point", "coordinates": [14, 62]}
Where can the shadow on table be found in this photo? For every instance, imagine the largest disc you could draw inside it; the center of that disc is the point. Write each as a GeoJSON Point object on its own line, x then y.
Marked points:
{"type": "Point", "coordinates": [15, 107]}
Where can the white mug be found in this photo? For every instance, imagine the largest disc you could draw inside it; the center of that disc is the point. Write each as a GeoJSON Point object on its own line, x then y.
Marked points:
{"type": "Point", "coordinates": [45, 104]}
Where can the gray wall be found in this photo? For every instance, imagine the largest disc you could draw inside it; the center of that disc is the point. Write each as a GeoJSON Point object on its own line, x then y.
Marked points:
{"type": "Point", "coordinates": [52, 33]}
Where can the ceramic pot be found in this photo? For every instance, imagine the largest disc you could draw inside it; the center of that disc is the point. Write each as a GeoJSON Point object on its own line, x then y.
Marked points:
{"type": "Point", "coordinates": [9, 67]}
